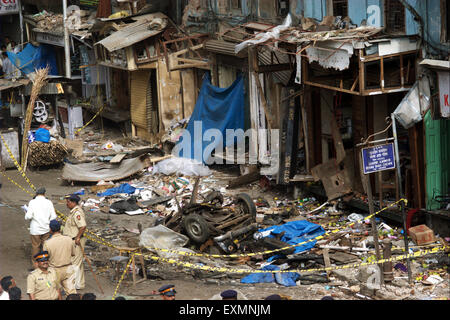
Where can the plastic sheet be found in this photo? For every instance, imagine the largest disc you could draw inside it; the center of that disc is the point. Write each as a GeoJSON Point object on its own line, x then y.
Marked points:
{"type": "Point", "coordinates": [408, 111]}
{"type": "Point", "coordinates": [123, 188]}
{"type": "Point", "coordinates": [287, 279]}
{"type": "Point", "coordinates": [263, 37]}
{"type": "Point", "coordinates": [42, 135]}
{"type": "Point", "coordinates": [162, 237]}
{"type": "Point", "coordinates": [181, 166]}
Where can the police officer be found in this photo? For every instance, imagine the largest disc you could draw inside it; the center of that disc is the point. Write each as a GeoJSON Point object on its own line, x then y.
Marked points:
{"type": "Point", "coordinates": [42, 283]}
{"type": "Point", "coordinates": [167, 292]}
{"type": "Point", "coordinates": [61, 249]}
{"type": "Point", "coordinates": [229, 295]}
{"type": "Point", "coordinates": [74, 228]}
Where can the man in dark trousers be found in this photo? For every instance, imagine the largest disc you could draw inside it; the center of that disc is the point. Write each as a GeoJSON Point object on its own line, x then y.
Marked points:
{"type": "Point", "coordinates": [74, 228]}
{"type": "Point", "coordinates": [40, 211]}
{"type": "Point", "coordinates": [61, 249]}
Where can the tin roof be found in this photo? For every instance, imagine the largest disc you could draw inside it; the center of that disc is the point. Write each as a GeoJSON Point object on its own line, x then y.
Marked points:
{"type": "Point", "coordinates": [144, 27]}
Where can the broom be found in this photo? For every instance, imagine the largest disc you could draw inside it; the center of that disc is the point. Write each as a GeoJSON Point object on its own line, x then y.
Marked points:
{"type": "Point", "coordinates": [38, 82]}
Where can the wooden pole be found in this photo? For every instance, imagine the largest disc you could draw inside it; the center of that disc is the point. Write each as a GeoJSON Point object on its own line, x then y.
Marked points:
{"type": "Point", "coordinates": [38, 82]}
{"type": "Point", "coordinates": [368, 188]}
{"type": "Point", "coordinates": [90, 267]}
{"type": "Point", "coordinates": [400, 188]}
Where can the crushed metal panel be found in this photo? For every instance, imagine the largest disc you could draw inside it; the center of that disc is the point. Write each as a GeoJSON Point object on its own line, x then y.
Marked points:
{"type": "Point", "coordinates": [145, 27]}
{"type": "Point", "coordinates": [94, 172]}
{"type": "Point", "coordinates": [265, 58]}
{"type": "Point", "coordinates": [338, 143]}
{"type": "Point", "coordinates": [336, 181]}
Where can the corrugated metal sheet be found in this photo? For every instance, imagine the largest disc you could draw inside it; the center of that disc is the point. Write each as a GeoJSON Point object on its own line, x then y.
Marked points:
{"type": "Point", "coordinates": [134, 32]}
{"type": "Point", "coordinates": [264, 57]}
{"type": "Point", "coordinates": [224, 47]}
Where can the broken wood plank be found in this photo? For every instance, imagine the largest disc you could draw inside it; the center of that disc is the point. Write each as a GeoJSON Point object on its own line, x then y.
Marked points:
{"type": "Point", "coordinates": [344, 248]}
{"type": "Point", "coordinates": [343, 257]}
{"type": "Point", "coordinates": [264, 102]}
{"type": "Point", "coordinates": [326, 259]}
{"type": "Point", "coordinates": [245, 179]}
{"type": "Point", "coordinates": [103, 187]}
{"type": "Point", "coordinates": [118, 158]}
{"type": "Point", "coordinates": [158, 159]}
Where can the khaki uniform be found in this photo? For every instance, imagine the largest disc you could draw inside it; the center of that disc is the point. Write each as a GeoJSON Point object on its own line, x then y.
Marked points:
{"type": "Point", "coordinates": [74, 222]}
{"type": "Point", "coordinates": [61, 249]}
{"type": "Point", "coordinates": [44, 286]}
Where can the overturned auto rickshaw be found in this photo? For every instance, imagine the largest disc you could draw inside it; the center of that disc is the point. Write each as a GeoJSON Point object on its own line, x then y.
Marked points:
{"type": "Point", "coordinates": [211, 220]}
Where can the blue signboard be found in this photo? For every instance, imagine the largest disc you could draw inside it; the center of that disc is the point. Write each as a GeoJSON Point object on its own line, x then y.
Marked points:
{"type": "Point", "coordinates": [378, 158]}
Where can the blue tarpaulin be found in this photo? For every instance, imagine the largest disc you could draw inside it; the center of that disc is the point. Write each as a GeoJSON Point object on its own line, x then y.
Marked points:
{"type": "Point", "coordinates": [123, 188]}
{"type": "Point", "coordinates": [287, 279]}
{"type": "Point", "coordinates": [32, 58]}
{"type": "Point", "coordinates": [295, 232]}
{"type": "Point", "coordinates": [216, 108]}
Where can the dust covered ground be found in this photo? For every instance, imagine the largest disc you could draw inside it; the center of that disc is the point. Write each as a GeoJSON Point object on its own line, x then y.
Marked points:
{"type": "Point", "coordinates": [190, 285]}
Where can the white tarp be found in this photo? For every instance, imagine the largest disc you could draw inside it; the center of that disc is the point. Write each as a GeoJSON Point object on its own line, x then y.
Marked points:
{"type": "Point", "coordinates": [263, 37]}
{"type": "Point", "coordinates": [94, 172]}
{"type": "Point", "coordinates": [408, 111]}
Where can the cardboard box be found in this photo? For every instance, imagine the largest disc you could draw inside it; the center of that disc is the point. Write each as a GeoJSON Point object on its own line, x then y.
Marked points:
{"type": "Point", "coordinates": [422, 235]}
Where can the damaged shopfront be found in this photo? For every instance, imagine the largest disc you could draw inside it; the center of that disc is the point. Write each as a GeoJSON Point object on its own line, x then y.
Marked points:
{"type": "Point", "coordinates": [332, 85]}
{"type": "Point", "coordinates": [139, 53]}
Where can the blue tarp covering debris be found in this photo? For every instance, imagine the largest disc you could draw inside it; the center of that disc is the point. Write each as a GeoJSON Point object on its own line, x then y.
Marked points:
{"type": "Point", "coordinates": [216, 108]}
{"type": "Point", "coordinates": [123, 188]}
{"type": "Point", "coordinates": [32, 58]}
{"type": "Point", "coordinates": [295, 232]}
{"type": "Point", "coordinates": [287, 279]}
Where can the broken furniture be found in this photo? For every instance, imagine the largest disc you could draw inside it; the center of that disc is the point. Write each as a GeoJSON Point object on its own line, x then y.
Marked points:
{"type": "Point", "coordinates": [120, 262]}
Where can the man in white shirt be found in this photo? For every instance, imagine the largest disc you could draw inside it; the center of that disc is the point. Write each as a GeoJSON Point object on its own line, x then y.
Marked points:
{"type": "Point", "coordinates": [8, 68]}
{"type": "Point", "coordinates": [6, 283]}
{"type": "Point", "coordinates": [40, 211]}
{"type": "Point", "coordinates": [3, 294]}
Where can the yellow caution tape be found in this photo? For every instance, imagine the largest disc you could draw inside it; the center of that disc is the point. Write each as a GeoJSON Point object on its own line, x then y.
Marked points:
{"type": "Point", "coordinates": [184, 253]}
{"type": "Point", "coordinates": [123, 274]}
{"type": "Point", "coordinates": [18, 185]}
{"type": "Point", "coordinates": [242, 271]}
{"type": "Point", "coordinates": [89, 122]}
{"type": "Point", "coordinates": [19, 168]}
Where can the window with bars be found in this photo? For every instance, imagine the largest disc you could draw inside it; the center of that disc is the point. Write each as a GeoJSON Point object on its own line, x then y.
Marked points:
{"type": "Point", "coordinates": [340, 8]}
{"type": "Point", "coordinates": [395, 16]}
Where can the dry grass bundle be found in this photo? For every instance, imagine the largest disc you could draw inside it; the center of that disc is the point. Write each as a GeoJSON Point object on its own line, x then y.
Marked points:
{"type": "Point", "coordinates": [45, 154]}
{"type": "Point", "coordinates": [38, 82]}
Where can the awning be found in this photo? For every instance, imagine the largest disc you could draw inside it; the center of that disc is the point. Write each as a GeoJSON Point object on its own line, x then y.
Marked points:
{"type": "Point", "coordinates": [146, 26]}
{"type": "Point", "coordinates": [436, 64]}
{"type": "Point", "coordinates": [97, 171]}
{"type": "Point", "coordinates": [8, 84]}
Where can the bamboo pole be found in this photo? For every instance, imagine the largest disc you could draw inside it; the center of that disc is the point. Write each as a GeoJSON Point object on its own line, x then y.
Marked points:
{"type": "Point", "coordinates": [38, 82]}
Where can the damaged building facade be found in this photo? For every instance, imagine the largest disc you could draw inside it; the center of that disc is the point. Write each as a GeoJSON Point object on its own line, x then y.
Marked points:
{"type": "Point", "coordinates": [330, 75]}
{"type": "Point", "coordinates": [327, 74]}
